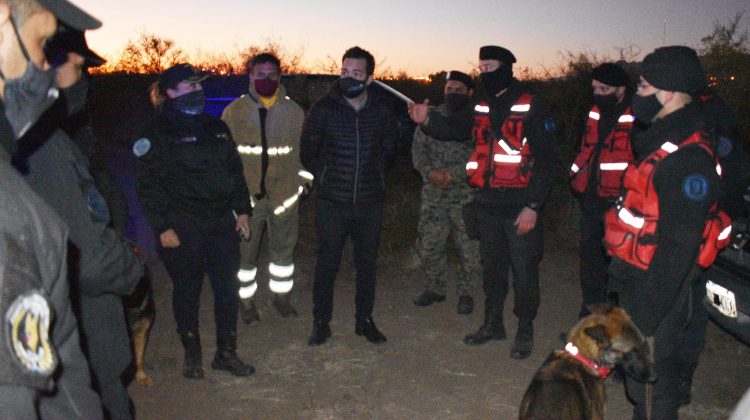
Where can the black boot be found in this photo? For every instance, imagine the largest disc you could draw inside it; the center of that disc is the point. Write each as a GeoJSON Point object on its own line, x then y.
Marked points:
{"type": "Point", "coordinates": [465, 305]}
{"type": "Point", "coordinates": [427, 298]}
{"type": "Point", "coordinates": [248, 311]}
{"type": "Point", "coordinates": [226, 356]}
{"type": "Point", "coordinates": [370, 331]}
{"type": "Point", "coordinates": [524, 341]}
{"type": "Point", "coordinates": [282, 304]}
{"type": "Point", "coordinates": [320, 334]}
{"type": "Point", "coordinates": [491, 329]}
{"type": "Point", "coordinates": [192, 367]}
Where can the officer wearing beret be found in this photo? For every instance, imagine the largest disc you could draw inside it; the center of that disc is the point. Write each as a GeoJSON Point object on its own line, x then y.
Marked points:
{"type": "Point", "coordinates": [656, 230]}
{"type": "Point", "coordinates": [441, 162]}
{"type": "Point", "coordinates": [189, 180]}
{"type": "Point", "coordinates": [596, 173]}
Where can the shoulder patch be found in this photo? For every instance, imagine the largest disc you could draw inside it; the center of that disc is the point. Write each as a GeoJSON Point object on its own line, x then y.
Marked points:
{"type": "Point", "coordinates": [141, 147]}
{"type": "Point", "coordinates": [695, 187]}
{"type": "Point", "coordinates": [27, 327]}
{"type": "Point", "coordinates": [725, 147]}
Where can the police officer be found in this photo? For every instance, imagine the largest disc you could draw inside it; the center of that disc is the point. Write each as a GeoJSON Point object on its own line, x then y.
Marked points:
{"type": "Point", "coordinates": [596, 174]}
{"type": "Point", "coordinates": [441, 162]}
{"type": "Point", "coordinates": [656, 231]}
{"type": "Point", "coordinates": [44, 372]}
{"type": "Point", "coordinates": [189, 181]}
{"type": "Point", "coordinates": [511, 168]}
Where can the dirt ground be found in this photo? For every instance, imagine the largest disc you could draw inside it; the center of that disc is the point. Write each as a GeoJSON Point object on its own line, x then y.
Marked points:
{"type": "Point", "coordinates": [424, 371]}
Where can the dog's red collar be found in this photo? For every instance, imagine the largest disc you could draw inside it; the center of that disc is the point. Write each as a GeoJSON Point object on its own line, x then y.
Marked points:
{"type": "Point", "coordinates": [572, 350]}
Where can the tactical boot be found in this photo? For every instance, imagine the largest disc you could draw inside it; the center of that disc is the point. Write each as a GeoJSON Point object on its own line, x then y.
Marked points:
{"type": "Point", "coordinates": [491, 329]}
{"type": "Point", "coordinates": [226, 356]}
{"type": "Point", "coordinates": [320, 334]}
{"type": "Point", "coordinates": [192, 367]}
{"type": "Point", "coordinates": [427, 298]}
{"type": "Point", "coordinates": [465, 305]}
{"type": "Point", "coordinates": [248, 311]}
{"type": "Point", "coordinates": [370, 331]}
{"type": "Point", "coordinates": [283, 305]}
{"type": "Point", "coordinates": [524, 341]}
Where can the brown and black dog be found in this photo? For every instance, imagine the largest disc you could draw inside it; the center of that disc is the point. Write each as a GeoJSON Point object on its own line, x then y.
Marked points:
{"type": "Point", "coordinates": [140, 312]}
{"type": "Point", "coordinates": [570, 383]}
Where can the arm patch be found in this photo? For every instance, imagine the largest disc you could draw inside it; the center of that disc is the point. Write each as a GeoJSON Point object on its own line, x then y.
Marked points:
{"type": "Point", "coordinates": [695, 187]}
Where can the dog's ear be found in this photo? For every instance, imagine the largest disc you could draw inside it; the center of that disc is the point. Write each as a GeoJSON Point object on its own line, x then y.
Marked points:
{"type": "Point", "coordinates": [600, 308]}
{"type": "Point", "coordinates": [600, 335]}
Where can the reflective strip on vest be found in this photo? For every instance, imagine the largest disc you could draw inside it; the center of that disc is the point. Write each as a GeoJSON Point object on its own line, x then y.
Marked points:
{"type": "Point", "coordinates": [289, 202]}
{"type": "Point", "coordinates": [246, 276]}
{"type": "Point", "coordinates": [626, 216]}
{"type": "Point", "coordinates": [249, 150]}
{"type": "Point", "coordinates": [625, 118]}
{"type": "Point", "coordinates": [520, 108]}
{"type": "Point", "coordinates": [616, 166]}
{"type": "Point", "coordinates": [279, 151]}
{"type": "Point", "coordinates": [246, 292]}
{"type": "Point", "coordinates": [594, 115]}
{"type": "Point", "coordinates": [574, 168]}
{"type": "Point", "coordinates": [669, 147]}
{"type": "Point", "coordinates": [484, 109]}
{"type": "Point", "coordinates": [471, 165]}
{"type": "Point", "coordinates": [304, 174]}
{"type": "Point", "coordinates": [284, 286]}
{"type": "Point", "coordinates": [718, 169]}
{"type": "Point", "coordinates": [725, 233]}
{"type": "Point", "coordinates": [507, 148]}
{"type": "Point", "coordinates": [280, 271]}
{"type": "Point", "coordinates": [507, 159]}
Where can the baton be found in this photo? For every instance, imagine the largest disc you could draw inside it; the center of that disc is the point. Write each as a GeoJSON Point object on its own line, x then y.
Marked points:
{"type": "Point", "coordinates": [394, 91]}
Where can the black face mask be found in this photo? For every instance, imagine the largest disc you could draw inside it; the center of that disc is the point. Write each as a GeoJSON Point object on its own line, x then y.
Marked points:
{"type": "Point", "coordinates": [645, 108]}
{"type": "Point", "coordinates": [496, 81]}
{"type": "Point", "coordinates": [190, 103]}
{"type": "Point", "coordinates": [351, 87]}
{"type": "Point", "coordinates": [456, 101]}
{"type": "Point", "coordinates": [606, 103]}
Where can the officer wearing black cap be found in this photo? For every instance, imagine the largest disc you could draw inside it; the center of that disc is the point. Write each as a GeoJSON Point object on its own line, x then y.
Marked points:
{"type": "Point", "coordinates": [665, 225]}
{"type": "Point", "coordinates": [511, 169]}
{"type": "Point", "coordinates": [44, 372]}
{"type": "Point", "coordinates": [596, 173]}
{"type": "Point", "coordinates": [441, 163]}
{"type": "Point", "coordinates": [189, 181]}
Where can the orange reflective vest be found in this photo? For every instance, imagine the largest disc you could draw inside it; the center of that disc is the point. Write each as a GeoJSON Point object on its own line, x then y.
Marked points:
{"type": "Point", "coordinates": [505, 162]}
{"type": "Point", "coordinates": [614, 156]}
{"type": "Point", "coordinates": [630, 226]}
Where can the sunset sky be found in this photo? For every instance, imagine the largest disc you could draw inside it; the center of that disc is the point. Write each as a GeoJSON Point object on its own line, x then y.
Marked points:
{"type": "Point", "coordinates": [418, 37]}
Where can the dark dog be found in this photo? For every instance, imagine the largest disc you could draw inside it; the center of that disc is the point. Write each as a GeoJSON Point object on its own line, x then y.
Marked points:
{"type": "Point", "coordinates": [570, 383]}
{"type": "Point", "coordinates": [140, 312]}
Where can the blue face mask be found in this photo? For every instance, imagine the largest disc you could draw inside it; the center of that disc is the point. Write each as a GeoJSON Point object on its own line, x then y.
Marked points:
{"type": "Point", "coordinates": [191, 103]}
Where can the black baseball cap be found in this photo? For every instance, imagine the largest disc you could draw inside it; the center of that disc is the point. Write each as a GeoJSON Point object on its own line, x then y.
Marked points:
{"type": "Point", "coordinates": [68, 39]}
{"type": "Point", "coordinates": [71, 14]}
{"type": "Point", "coordinates": [172, 76]}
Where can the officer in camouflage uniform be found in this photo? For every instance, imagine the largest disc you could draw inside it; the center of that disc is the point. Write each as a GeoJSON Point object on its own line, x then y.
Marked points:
{"type": "Point", "coordinates": [440, 155]}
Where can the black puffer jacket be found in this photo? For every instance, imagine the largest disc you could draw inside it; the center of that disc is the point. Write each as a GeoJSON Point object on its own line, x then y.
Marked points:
{"type": "Point", "coordinates": [347, 150]}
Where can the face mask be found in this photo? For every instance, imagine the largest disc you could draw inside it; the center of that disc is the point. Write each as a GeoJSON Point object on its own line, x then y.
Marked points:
{"type": "Point", "coordinates": [190, 103]}
{"type": "Point", "coordinates": [605, 102]}
{"type": "Point", "coordinates": [265, 87]}
{"type": "Point", "coordinates": [351, 87]}
{"type": "Point", "coordinates": [455, 101]}
{"type": "Point", "coordinates": [75, 96]}
{"type": "Point", "coordinates": [28, 96]}
{"type": "Point", "coordinates": [645, 108]}
{"type": "Point", "coordinates": [496, 81]}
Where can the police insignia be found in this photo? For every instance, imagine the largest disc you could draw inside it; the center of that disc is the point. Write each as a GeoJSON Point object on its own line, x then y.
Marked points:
{"type": "Point", "coordinates": [141, 147]}
{"type": "Point", "coordinates": [27, 325]}
{"type": "Point", "coordinates": [695, 187]}
{"type": "Point", "coordinates": [724, 147]}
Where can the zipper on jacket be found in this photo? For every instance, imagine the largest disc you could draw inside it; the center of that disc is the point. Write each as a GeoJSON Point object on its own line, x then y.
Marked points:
{"type": "Point", "coordinates": [356, 163]}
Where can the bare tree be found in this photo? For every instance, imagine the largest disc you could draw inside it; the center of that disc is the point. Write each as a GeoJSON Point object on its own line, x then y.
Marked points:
{"type": "Point", "coordinates": [291, 62]}
{"type": "Point", "coordinates": [150, 53]}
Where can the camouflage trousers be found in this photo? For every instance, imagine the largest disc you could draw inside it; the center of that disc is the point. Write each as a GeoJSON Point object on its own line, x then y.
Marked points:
{"type": "Point", "coordinates": [437, 222]}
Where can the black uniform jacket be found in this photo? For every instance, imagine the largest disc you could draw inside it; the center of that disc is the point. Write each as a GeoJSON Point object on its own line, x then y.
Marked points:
{"type": "Point", "coordinates": [188, 167]}
{"type": "Point", "coordinates": [347, 150]}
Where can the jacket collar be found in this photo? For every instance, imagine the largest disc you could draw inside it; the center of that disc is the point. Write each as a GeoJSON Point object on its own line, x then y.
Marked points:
{"type": "Point", "coordinates": [674, 128]}
{"type": "Point", "coordinates": [599, 370]}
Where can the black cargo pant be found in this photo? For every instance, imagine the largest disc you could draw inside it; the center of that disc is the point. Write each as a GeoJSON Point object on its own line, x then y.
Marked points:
{"type": "Point", "coordinates": [335, 222]}
{"type": "Point", "coordinates": [502, 249]}
{"type": "Point", "coordinates": [593, 256]}
{"type": "Point", "coordinates": [206, 247]}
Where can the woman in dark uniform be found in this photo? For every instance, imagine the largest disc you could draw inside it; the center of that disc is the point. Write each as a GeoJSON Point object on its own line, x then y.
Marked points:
{"type": "Point", "coordinates": [190, 184]}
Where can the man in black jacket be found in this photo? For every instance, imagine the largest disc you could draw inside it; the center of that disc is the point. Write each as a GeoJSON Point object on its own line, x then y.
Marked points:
{"type": "Point", "coordinates": [347, 140]}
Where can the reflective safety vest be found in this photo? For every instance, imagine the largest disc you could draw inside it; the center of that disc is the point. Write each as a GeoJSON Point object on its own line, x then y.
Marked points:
{"type": "Point", "coordinates": [630, 226]}
{"type": "Point", "coordinates": [614, 156]}
{"type": "Point", "coordinates": [505, 162]}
